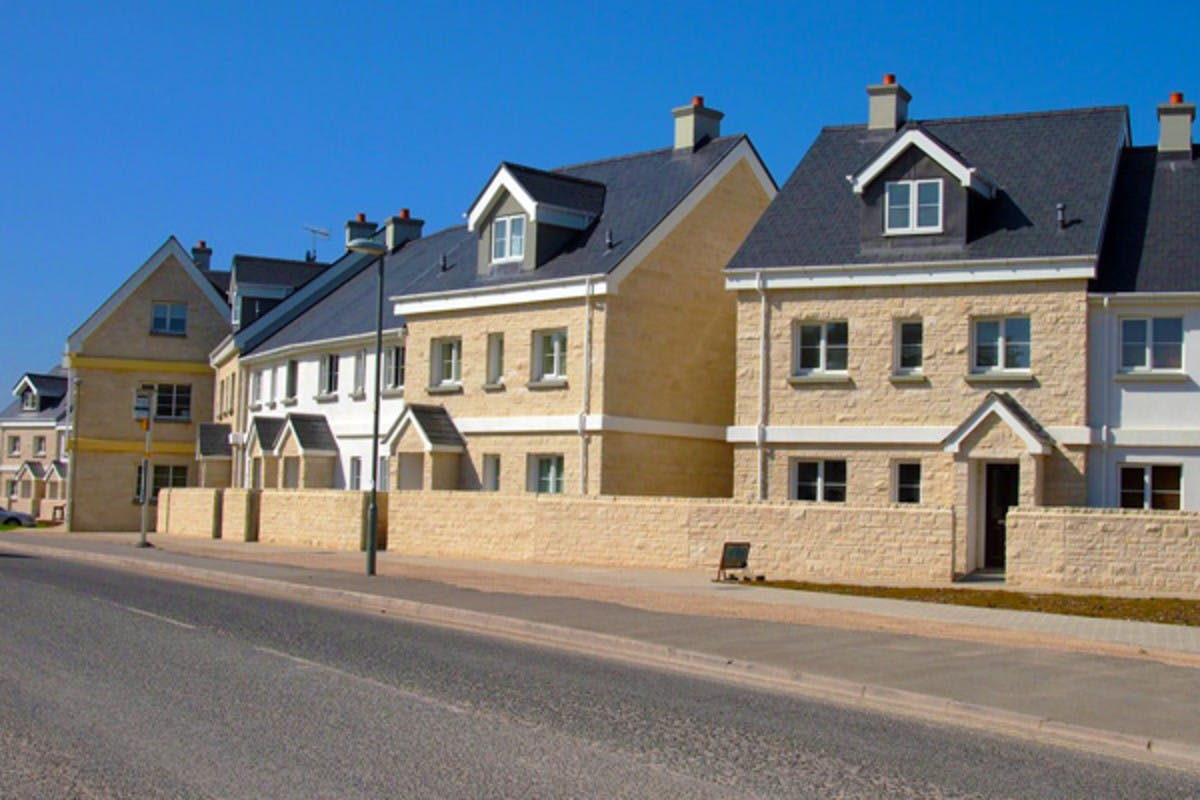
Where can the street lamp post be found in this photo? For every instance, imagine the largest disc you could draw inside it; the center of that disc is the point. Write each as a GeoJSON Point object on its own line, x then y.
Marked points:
{"type": "Point", "coordinates": [371, 247]}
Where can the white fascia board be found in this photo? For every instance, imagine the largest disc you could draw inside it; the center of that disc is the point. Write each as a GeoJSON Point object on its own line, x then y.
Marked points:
{"type": "Point", "coordinates": [390, 336]}
{"type": "Point", "coordinates": [743, 151]}
{"type": "Point", "coordinates": [660, 427]}
{"type": "Point", "coordinates": [1155, 437]}
{"type": "Point", "coordinates": [1124, 299]}
{"type": "Point", "coordinates": [24, 382]}
{"type": "Point", "coordinates": [924, 273]}
{"type": "Point", "coordinates": [503, 179]}
{"type": "Point", "coordinates": [498, 296]}
{"type": "Point", "coordinates": [171, 247]}
{"type": "Point", "coordinates": [267, 290]}
{"type": "Point", "coordinates": [592, 423]}
{"type": "Point", "coordinates": [968, 177]}
{"type": "Point", "coordinates": [837, 434]}
{"type": "Point", "coordinates": [224, 351]}
{"type": "Point", "coordinates": [561, 217]}
{"type": "Point", "coordinates": [28, 423]}
{"type": "Point", "coordinates": [1032, 443]}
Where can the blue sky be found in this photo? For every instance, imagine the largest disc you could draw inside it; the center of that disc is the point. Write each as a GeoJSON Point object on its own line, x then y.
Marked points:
{"type": "Point", "coordinates": [241, 123]}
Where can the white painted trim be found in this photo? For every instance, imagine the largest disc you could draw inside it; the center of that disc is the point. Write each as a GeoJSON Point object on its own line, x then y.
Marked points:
{"type": "Point", "coordinates": [223, 352]}
{"type": "Point", "coordinates": [29, 423]}
{"type": "Point", "coordinates": [646, 246]}
{"type": "Point", "coordinates": [171, 247]}
{"type": "Point", "coordinates": [1155, 437]}
{"type": "Point", "coordinates": [1178, 299]}
{"type": "Point", "coordinates": [658, 427]}
{"type": "Point", "coordinates": [497, 296]}
{"type": "Point", "coordinates": [407, 417]}
{"type": "Point", "coordinates": [1033, 444]}
{"type": "Point", "coordinates": [537, 212]}
{"type": "Point", "coordinates": [928, 436]}
{"type": "Point", "coordinates": [592, 423]}
{"type": "Point", "coordinates": [968, 177]}
{"type": "Point", "coordinates": [925, 273]}
{"type": "Point", "coordinates": [1074, 435]}
{"type": "Point", "coordinates": [323, 346]}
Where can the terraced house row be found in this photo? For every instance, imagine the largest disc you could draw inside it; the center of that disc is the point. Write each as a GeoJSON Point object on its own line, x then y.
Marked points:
{"type": "Point", "coordinates": [960, 314]}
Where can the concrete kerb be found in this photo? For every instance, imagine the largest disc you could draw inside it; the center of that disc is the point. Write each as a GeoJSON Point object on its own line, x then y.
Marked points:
{"type": "Point", "coordinates": [930, 707]}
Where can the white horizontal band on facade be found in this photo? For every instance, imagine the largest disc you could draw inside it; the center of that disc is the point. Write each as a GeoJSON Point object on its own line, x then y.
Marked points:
{"type": "Point", "coordinates": [839, 434]}
{"type": "Point", "coordinates": [1155, 437]}
{"type": "Point", "coordinates": [851, 275]}
{"type": "Point", "coordinates": [593, 423]}
{"type": "Point", "coordinates": [321, 346]}
{"type": "Point", "coordinates": [494, 297]}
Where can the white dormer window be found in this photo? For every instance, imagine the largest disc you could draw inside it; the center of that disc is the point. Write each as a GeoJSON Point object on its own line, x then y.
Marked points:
{"type": "Point", "coordinates": [508, 238]}
{"type": "Point", "coordinates": [29, 400]}
{"type": "Point", "coordinates": [913, 207]}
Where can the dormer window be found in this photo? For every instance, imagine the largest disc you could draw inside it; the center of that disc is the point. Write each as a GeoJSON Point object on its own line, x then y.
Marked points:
{"type": "Point", "coordinates": [508, 239]}
{"type": "Point", "coordinates": [913, 207]}
{"type": "Point", "coordinates": [29, 401]}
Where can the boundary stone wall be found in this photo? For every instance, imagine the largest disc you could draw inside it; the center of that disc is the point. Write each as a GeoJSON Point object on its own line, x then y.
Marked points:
{"type": "Point", "coordinates": [331, 519]}
{"type": "Point", "coordinates": [190, 512]}
{"type": "Point", "coordinates": [788, 540]}
{"type": "Point", "coordinates": [239, 515]}
{"type": "Point", "coordinates": [1104, 549]}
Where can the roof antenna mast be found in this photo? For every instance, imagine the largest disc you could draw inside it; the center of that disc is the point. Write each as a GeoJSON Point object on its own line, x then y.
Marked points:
{"type": "Point", "coordinates": [311, 255]}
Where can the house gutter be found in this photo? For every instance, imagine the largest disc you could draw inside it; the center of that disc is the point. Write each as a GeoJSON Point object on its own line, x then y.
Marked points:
{"type": "Point", "coordinates": [760, 431]}
{"type": "Point", "coordinates": [1105, 429]}
{"type": "Point", "coordinates": [586, 408]}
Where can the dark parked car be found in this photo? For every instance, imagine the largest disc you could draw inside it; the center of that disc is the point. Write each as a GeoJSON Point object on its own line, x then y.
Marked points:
{"type": "Point", "coordinates": [16, 518]}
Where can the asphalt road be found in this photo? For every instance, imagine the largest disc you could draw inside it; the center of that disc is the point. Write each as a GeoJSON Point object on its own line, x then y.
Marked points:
{"type": "Point", "coordinates": [115, 685]}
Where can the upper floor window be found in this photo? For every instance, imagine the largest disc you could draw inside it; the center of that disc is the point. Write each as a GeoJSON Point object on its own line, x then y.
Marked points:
{"type": "Point", "coordinates": [913, 207]}
{"type": "Point", "coordinates": [910, 347]}
{"type": "Point", "coordinates": [446, 367]}
{"type": "Point", "coordinates": [328, 379]}
{"type": "Point", "coordinates": [39, 445]}
{"type": "Point", "coordinates": [14, 445]}
{"type": "Point", "coordinates": [495, 359]}
{"type": "Point", "coordinates": [292, 380]}
{"type": "Point", "coordinates": [1151, 486]}
{"type": "Point", "coordinates": [1001, 344]}
{"type": "Point", "coordinates": [170, 318]}
{"type": "Point", "coordinates": [820, 347]}
{"type": "Point", "coordinates": [508, 238]}
{"type": "Point", "coordinates": [256, 379]}
{"type": "Point", "coordinates": [823, 481]}
{"type": "Point", "coordinates": [360, 372]}
{"type": "Point", "coordinates": [29, 400]}
{"type": "Point", "coordinates": [550, 355]}
{"type": "Point", "coordinates": [173, 401]}
{"type": "Point", "coordinates": [393, 367]}
{"type": "Point", "coordinates": [1152, 343]}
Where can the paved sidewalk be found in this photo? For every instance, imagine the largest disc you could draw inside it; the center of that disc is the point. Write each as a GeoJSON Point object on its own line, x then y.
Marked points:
{"type": "Point", "coordinates": [1119, 685]}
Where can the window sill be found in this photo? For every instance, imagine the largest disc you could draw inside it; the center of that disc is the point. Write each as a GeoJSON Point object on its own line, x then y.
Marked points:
{"type": "Point", "coordinates": [915, 232]}
{"type": "Point", "coordinates": [548, 383]}
{"type": "Point", "coordinates": [495, 386]}
{"type": "Point", "coordinates": [909, 378]}
{"type": "Point", "coordinates": [173, 420]}
{"type": "Point", "coordinates": [288, 401]}
{"type": "Point", "coordinates": [331, 397]}
{"type": "Point", "coordinates": [1000, 376]}
{"type": "Point", "coordinates": [1153, 376]}
{"type": "Point", "coordinates": [358, 394]}
{"type": "Point", "coordinates": [256, 406]}
{"type": "Point", "coordinates": [168, 333]}
{"type": "Point", "coordinates": [445, 388]}
{"type": "Point", "coordinates": [395, 391]}
{"type": "Point", "coordinates": [817, 378]}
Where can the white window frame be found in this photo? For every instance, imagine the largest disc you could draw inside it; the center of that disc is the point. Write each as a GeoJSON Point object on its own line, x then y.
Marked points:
{"type": "Point", "coordinates": [557, 465]}
{"type": "Point", "coordinates": [354, 479]}
{"type": "Point", "coordinates": [898, 367]}
{"type": "Point", "coordinates": [503, 251]}
{"type": "Point", "coordinates": [393, 367]}
{"type": "Point", "coordinates": [29, 400]}
{"type": "Point", "coordinates": [913, 227]}
{"type": "Point", "coordinates": [445, 371]}
{"type": "Point", "coordinates": [1002, 345]}
{"type": "Point", "coordinates": [491, 472]}
{"type": "Point", "coordinates": [822, 367]}
{"type": "Point", "coordinates": [328, 377]}
{"type": "Point", "coordinates": [14, 445]}
{"type": "Point", "coordinates": [1148, 364]}
{"type": "Point", "coordinates": [162, 476]}
{"type": "Point", "coordinates": [360, 372]}
{"type": "Point", "coordinates": [495, 359]}
{"type": "Point", "coordinates": [173, 315]}
{"type": "Point", "coordinates": [823, 486]}
{"type": "Point", "coordinates": [899, 485]}
{"type": "Point", "coordinates": [256, 387]}
{"type": "Point", "coordinates": [291, 379]}
{"type": "Point", "coordinates": [39, 445]}
{"type": "Point", "coordinates": [551, 344]}
{"type": "Point", "coordinates": [1148, 490]}
{"type": "Point", "coordinates": [175, 399]}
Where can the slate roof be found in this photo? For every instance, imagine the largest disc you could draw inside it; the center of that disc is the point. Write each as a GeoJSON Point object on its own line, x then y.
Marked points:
{"type": "Point", "coordinates": [1153, 239]}
{"type": "Point", "coordinates": [437, 425]}
{"type": "Point", "coordinates": [35, 469]}
{"type": "Point", "coordinates": [312, 431]}
{"type": "Point", "coordinates": [60, 467]}
{"type": "Point", "coordinates": [559, 189]}
{"type": "Point", "coordinates": [266, 430]}
{"type": "Point", "coordinates": [52, 389]}
{"type": "Point", "coordinates": [219, 279]}
{"type": "Point", "coordinates": [212, 440]}
{"type": "Point", "coordinates": [1037, 161]}
{"type": "Point", "coordinates": [275, 271]}
{"type": "Point", "coordinates": [47, 385]}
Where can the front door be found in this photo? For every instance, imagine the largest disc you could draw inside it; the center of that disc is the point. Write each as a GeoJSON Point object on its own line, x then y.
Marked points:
{"type": "Point", "coordinates": [1001, 483]}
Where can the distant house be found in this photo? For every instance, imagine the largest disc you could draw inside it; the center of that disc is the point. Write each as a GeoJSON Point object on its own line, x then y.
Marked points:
{"type": "Point", "coordinates": [33, 434]}
{"type": "Point", "coordinates": [572, 337]}
{"type": "Point", "coordinates": [963, 312]}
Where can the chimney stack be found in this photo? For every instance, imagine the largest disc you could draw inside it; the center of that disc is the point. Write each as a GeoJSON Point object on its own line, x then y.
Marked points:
{"type": "Point", "coordinates": [402, 228]}
{"type": "Point", "coordinates": [888, 106]}
{"type": "Point", "coordinates": [1175, 127]}
{"type": "Point", "coordinates": [695, 124]}
{"type": "Point", "coordinates": [202, 255]}
{"type": "Point", "coordinates": [359, 228]}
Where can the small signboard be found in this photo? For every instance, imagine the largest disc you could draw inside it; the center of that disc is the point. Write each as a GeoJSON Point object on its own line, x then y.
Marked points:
{"type": "Point", "coordinates": [734, 555]}
{"type": "Point", "coordinates": [142, 401]}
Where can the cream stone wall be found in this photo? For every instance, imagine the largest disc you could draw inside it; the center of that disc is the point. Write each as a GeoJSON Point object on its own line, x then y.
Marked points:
{"type": "Point", "coordinates": [105, 485]}
{"type": "Point", "coordinates": [1056, 396]}
{"type": "Point", "coordinates": [214, 473]}
{"type": "Point", "coordinates": [239, 515]}
{"type": "Point", "coordinates": [665, 466]}
{"type": "Point", "coordinates": [515, 451]}
{"type": "Point", "coordinates": [190, 512]}
{"type": "Point", "coordinates": [789, 540]}
{"type": "Point", "coordinates": [870, 472]}
{"type": "Point", "coordinates": [671, 325]}
{"type": "Point", "coordinates": [330, 519]}
{"type": "Point", "coordinates": [1156, 552]}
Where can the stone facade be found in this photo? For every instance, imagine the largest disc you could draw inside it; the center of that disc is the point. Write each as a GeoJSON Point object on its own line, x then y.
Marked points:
{"type": "Point", "coordinates": [190, 512]}
{"type": "Point", "coordinates": [328, 519]}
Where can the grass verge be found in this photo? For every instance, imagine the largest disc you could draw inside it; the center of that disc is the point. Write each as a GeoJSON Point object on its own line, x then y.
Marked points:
{"type": "Point", "coordinates": [1167, 610]}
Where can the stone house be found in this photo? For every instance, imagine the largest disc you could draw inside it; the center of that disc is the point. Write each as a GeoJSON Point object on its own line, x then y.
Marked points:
{"type": "Point", "coordinates": [573, 337]}
{"type": "Point", "coordinates": [33, 434]}
{"type": "Point", "coordinates": [919, 313]}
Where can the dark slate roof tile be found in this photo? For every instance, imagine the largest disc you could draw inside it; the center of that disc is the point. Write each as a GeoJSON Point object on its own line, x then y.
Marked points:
{"type": "Point", "coordinates": [439, 428]}
{"type": "Point", "coordinates": [312, 431]}
{"type": "Point", "coordinates": [1037, 160]}
{"type": "Point", "coordinates": [212, 440]}
{"type": "Point", "coordinates": [219, 279]}
{"type": "Point", "coordinates": [275, 271]}
{"type": "Point", "coordinates": [559, 189]}
{"type": "Point", "coordinates": [35, 469]}
{"type": "Point", "coordinates": [266, 431]}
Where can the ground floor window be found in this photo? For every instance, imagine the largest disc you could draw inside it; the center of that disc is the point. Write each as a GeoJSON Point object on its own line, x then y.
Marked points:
{"type": "Point", "coordinates": [546, 475]}
{"type": "Point", "coordinates": [491, 472]}
{"type": "Point", "coordinates": [908, 483]}
{"type": "Point", "coordinates": [355, 482]}
{"type": "Point", "coordinates": [819, 481]}
{"type": "Point", "coordinates": [163, 476]}
{"type": "Point", "coordinates": [1151, 486]}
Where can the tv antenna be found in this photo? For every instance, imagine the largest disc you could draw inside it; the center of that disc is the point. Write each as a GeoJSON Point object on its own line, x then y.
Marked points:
{"type": "Point", "coordinates": [316, 232]}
